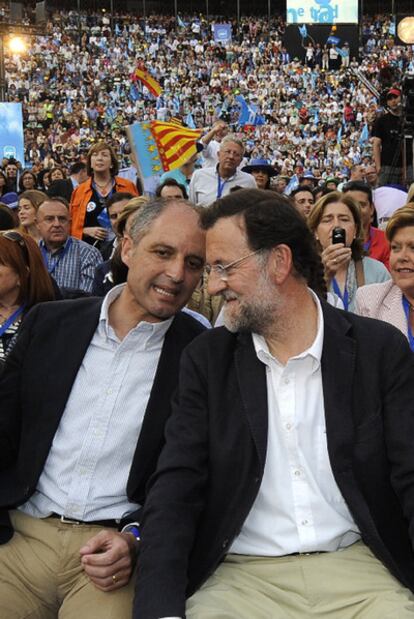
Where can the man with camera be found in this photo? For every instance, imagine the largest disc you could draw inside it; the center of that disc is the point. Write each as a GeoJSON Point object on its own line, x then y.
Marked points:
{"type": "Point", "coordinates": [286, 485]}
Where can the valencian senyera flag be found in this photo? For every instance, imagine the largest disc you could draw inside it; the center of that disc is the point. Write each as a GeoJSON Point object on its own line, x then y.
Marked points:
{"type": "Point", "coordinates": [161, 146]}
{"type": "Point", "coordinates": [142, 75]}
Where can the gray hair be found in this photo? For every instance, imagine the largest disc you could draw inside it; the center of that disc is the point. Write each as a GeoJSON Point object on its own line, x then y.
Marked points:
{"type": "Point", "coordinates": [234, 140]}
{"type": "Point", "coordinates": [141, 221]}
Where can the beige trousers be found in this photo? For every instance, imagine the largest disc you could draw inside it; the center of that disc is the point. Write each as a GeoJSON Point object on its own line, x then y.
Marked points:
{"type": "Point", "coordinates": [348, 584]}
{"type": "Point", "coordinates": [41, 576]}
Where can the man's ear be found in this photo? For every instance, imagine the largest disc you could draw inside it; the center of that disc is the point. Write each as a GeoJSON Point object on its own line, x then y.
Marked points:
{"type": "Point", "coordinates": [127, 249]}
{"type": "Point", "coordinates": [281, 263]}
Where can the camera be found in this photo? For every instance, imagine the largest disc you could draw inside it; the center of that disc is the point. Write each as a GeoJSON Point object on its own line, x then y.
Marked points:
{"type": "Point", "coordinates": [338, 236]}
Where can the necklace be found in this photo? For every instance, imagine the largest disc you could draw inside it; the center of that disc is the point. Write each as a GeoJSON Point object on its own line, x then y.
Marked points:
{"type": "Point", "coordinates": [103, 186]}
{"type": "Point", "coordinates": [8, 311]}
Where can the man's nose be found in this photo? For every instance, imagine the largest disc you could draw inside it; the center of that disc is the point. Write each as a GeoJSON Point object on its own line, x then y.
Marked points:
{"type": "Point", "coordinates": [176, 270]}
{"type": "Point", "coordinates": [215, 283]}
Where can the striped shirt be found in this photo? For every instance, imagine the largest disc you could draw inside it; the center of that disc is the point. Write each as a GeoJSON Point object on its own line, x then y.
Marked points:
{"type": "Point", "coordinates": [86, 472]}
{"type": "Point", "coordinates": [72, 265]}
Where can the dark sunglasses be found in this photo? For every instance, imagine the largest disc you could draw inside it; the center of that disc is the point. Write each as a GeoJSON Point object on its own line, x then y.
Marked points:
{"type": "Point", "coordinates": [16, 237]}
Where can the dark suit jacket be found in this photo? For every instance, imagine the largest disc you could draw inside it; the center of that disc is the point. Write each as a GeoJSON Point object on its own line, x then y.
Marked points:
{"type": "Point", "coordinates": [211, 468]}
{"type": "Point", "coordinates": [36, 383]}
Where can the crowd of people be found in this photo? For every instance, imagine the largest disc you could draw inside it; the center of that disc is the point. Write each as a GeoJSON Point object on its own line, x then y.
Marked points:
{"type": "Point", "coordinates": [76, 87]}
{"type": "Point", "coordinates": [154, 464]}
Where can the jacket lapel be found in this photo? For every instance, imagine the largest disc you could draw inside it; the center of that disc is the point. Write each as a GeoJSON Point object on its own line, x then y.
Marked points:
{"type": "Point", "coordinates": [395, 314]}
{"type": "Point", "coordinates": [338, 362]}
{"type": "Point", "coordinates": [251, 377]}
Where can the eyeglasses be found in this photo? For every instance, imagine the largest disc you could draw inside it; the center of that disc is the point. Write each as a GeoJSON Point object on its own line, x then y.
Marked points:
{"type": "Point", "coordinates": [222, 270]}
{"type": "Point", "coordinates": [16, 237]}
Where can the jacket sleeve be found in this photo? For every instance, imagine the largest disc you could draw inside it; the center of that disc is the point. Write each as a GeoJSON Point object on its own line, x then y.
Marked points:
{"type": "Point", "coordinates": [10, 393]}
{"type": "Point", "coordinates": [175, 501]}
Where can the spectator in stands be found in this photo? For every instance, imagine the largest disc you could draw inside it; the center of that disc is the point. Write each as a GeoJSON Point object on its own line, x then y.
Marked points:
{"type": "Point", "coordinates": [171, 188]}
{"type": "Point", "coordinates": [24, 282]}
{"type": "Point", "coordinates": [29, 202]}
{"type": "Point", "coordinates": [89, 199]}
{"type": "Point", "coordinates": [27, 181]}
{"type": "Point", "coordinates": [285, 485]}
{"type": "Point", "coordinates": [115, 362]}
{"type": "Point", "coordinates": [66, 187]}
{"type": "Point", "coordinates": [69, 260]}
{"type": "Point", "coordinates": [211, 183]}
{"type": "Point", "coordinates": [371, 175]}
{"type": "Point", "coordinates": [11, 170]}
{"type": "Point", "coordinates": [393, 301]}
{"type": "Point", "coordinates": [346, 267]}
{"type": "Point", "coordinates": [212, 141]}
{"type": "Point", "coordinates": [387, 144]}
{"type": "Point", "coordinates": [303, 199]}
{"type": "Point", "coordinates": [57, 174]}
{"type": "Point", "coordinates": [262, 172]}
{"type": "Point", "coordinates": [375, 244]}
{"type": "Point", "coordinates": [3, 183]}
{"type": "Point", "coordinates": [115, 207]}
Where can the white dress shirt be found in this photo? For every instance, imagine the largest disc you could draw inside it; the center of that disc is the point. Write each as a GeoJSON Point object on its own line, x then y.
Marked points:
{"type": "Point", "coordinates": [299, 507]}
{"type": "Point", "coordinates": [86, 472]}
{"type": "Point", "coordinates": [204, 185]}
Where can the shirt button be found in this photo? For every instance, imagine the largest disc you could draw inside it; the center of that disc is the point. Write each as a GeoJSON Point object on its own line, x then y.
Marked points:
{"type": "Point", "coordinates": [109, 391]}
{"type": "Point", "coordinates": [297, 473]}
{"type": "Point", "coordinates": [287, 381]}
{"type": "Point", "coordinates": [288, 426]}
{"type": "Point", "coordinates": [304, 523]}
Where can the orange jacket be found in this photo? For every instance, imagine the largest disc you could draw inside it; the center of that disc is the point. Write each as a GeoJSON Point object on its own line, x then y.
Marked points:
{"type": "Point", "coordinates": [81, 197]}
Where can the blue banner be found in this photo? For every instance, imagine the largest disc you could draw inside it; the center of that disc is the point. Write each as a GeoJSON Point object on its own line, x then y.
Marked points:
{"type": "Point", "coordinates": [222, 33]}
{"type": "Point", "coordinates": [11, 131]}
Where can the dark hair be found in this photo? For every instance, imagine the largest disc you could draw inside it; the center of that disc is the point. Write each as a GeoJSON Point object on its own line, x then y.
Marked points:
{"type": "Point", "coordinates": [270, 220]}
{"type": "Point", "coordinates": [171, 182]}
{"type": "Point", "coordinates": [358, 186]}
{"type": "Point", "coordinates": [6, 217]}
{"type": "Point", "coordinates": [97, 148]}
{"type": "Point", "coordinates": [27, 173]}
{"type": "Point", "coordinates": [77, 167]}
{"type": "Point", "coordinates": [316, 214]}
{"type": "Point", "coordinates": [302, 188]}
{"type": "Point", "coordinates": [118, 196]}
{"type": "Point", "coordinates": [21, 253]}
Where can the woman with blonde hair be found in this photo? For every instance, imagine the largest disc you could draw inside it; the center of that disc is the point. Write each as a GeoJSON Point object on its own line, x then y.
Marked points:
{"type": "Point", "coordinates": [393, 301]}
{"type": "Point", "coordinates": [29, 202]}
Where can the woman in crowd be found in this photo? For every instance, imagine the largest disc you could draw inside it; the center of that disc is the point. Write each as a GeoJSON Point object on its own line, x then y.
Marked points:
{"type": "Point", "coordinates": [57, 174]}
{"type": "Point", "coordinates": [346, 267]}
{"type": "Point", "coordinates": [24, 281]}
{"type": "Point", "coordinates": [29, 202]}
{"type": "Point", "coordinates": [262, 172]}
{"type": "Point", "coordinates": [27, 181]}
{"type": "Point", "coordinates": [393, 301]}
{"type": "Point", "coordinates": [90, 220]}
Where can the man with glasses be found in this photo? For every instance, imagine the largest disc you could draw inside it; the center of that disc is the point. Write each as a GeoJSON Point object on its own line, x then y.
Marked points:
{"type": "Point", "coordinates": [85, 395]}
{"type": "Point", "coordinates": [286, 485]}
{"type": "Point", "coordinates": [211, 183]}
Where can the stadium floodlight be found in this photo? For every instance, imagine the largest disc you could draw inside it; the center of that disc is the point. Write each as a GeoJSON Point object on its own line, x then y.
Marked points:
{"type": "Point", "coordinates": [405, 30]}
{"type": "Point", "coordinates": [17, 45]}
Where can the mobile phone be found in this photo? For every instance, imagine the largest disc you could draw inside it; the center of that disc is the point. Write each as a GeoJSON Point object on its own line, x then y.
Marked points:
{"type": "Point", "coordinates": [338, 235]}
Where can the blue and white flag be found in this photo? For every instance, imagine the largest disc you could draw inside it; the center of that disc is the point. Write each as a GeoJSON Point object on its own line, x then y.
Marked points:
{"type": "Point", "coordinates": [331, 40]}
{"type": "Point", "coordinates": [180, 22]}
{"type": "Point", "coordinates": [339, 135]}
{"type": "Point", "coordinates": [364, 137]}
{"type": "Point", "coordinates": [292, 185]}
{"type": "Point", "coordinates": [11, 131]}
{"type": "Point", "coordinates": [303, 31]}
{"type": "Point", "coordinates": [189, 121]}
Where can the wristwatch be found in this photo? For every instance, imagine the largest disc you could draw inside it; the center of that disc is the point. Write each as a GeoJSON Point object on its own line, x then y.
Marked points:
{"type": "Point", "coordinates": [132, 527]}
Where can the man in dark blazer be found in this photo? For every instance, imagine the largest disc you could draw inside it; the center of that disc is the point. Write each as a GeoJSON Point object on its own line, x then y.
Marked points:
{"type": "Point", "coordinates": [85, 396]}
{"type": "Point", "coordinates": [286, 485]}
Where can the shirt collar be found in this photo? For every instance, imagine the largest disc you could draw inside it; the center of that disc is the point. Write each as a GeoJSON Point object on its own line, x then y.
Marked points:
{"type": "Point", "coordinates": [54, 251]}
{"type": "Point", "coordinates": [314, 350]}
{"type": "Point", "coordinates": [156, 330]}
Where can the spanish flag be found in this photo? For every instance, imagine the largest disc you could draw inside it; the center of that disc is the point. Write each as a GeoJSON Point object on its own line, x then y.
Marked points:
{"type": "Point", "coordinates": [160, 146]}
{"type": "Point", "coordinates": [146, 78]}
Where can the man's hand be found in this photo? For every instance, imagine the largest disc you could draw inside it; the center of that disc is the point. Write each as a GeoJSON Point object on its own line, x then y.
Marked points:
{"type": "Point", "coordinates": [96, 232]}
{"type": "Point", "coordinates": [108, 559]}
